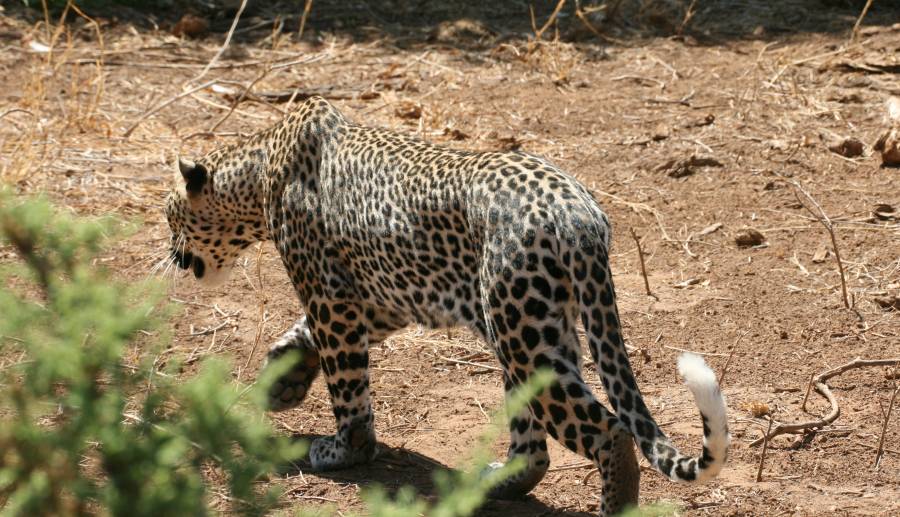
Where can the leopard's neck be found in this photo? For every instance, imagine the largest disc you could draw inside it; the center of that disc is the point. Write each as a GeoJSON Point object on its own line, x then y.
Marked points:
{"type": "Point", "coordinates": [252, 177]}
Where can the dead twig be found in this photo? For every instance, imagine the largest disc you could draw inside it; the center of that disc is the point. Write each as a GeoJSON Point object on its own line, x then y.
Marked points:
{"type": "Point", "coordinates": [224, 46]}
{"type": "Point", "coordinates": [688, 16]}
{"type": "Point", "coordinates": [826, 222]}
{"type": "Point", "coordinates": [573, 466]}
{"type": "Point", "coordinates": [306, 9]}
{"type": "Point", "coordinates": [855, 33]}
{"type": "Point", "coordinates": [469, 363]}
{"type": "Point", "coordinates": [643, 266]}
{"type": "Point", "coordinates": [16, 110]}
{"type": "Point", "coordinates": [295, 94]}
{"type": "Point", "coordinates": [539, 33]}
{"type": "Point", "coordinates": [887, 417]}
{"type": "Point", "coordinates": [808, 388]}
{"type": "Point", "coordinates": [262, 311]}
{"type": "Point", "coordinates": [762, 456]}
{"type": "Point", "coordinates": [240, 98]}
{"type": "Point", "coordinates": [582, 15]}
{"type": "Point", "coordinates": [209, 330]}
{"type": "Point", "coordinates": [870, 446]}
{"type": "Point", "coordinates": [728, 361]}
{"type": "Point", "coordinates": [707, 354]}
{"type": "Point", "coordinates": [147, 114]}
{"type": "Point", "coordinates": [825, 391]}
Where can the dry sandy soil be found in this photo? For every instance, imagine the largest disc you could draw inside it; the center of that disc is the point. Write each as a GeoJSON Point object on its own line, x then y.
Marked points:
{"type": "Point", "coordinates": [750, 87]}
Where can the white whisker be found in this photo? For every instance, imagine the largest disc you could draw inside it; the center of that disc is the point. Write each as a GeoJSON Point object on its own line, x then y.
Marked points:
{"type": "Point", "coordinates": [168, 268]}
{"type": "Point", "coordinates": [158, 266]}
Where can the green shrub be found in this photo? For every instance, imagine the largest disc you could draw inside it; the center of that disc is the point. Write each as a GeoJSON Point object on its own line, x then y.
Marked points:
{"type": "Point", "coordinates": [82, 431]}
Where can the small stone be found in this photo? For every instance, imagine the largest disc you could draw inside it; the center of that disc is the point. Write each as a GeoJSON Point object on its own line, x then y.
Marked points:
{"type": "Point", "coordinates": [820, 255]}
{"type": "Point", "coordinates": [661, 132]}
{"type": "Point", "coordinates": [190, 26]}
{"type": "Point", "coordinates": [848, 147]}
{"type": "Point", "coordinates": [409, 110]}
{"type": "Point", "coordinates": [749, 237]}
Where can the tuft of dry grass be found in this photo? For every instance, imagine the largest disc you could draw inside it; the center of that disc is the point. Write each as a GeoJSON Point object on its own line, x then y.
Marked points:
{"type": "Point", "coordinates": [75, 88]}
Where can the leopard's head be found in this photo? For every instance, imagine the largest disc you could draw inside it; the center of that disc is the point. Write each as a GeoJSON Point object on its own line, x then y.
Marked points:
{"type": "Point", "coordinates": [213, 215]}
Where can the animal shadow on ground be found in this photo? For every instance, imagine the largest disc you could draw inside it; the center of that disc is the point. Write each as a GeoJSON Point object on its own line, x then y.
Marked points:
{"type": "Point", "coordinates": [396, 467]}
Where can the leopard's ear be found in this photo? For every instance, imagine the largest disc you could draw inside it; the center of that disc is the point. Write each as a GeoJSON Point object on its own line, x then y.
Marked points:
{"type": "Point", "coordinates": [195, 175]}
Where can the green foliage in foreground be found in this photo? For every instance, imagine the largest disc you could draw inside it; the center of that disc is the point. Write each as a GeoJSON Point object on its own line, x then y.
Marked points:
{"type": "Point", "coordinates": [89, 426]}
{"type": "Point", "coordinates": [84, 431]}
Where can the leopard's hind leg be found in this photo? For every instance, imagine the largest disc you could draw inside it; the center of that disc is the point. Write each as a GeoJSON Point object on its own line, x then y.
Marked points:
{"type": "Point", "coordinates": [528, 440]}
{"type": "Point", "coordinates": [532, 329]}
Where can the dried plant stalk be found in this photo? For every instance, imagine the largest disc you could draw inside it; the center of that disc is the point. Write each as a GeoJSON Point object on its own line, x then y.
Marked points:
{"type": "Point", "coordinates": [826, 222]}
{"type": "Point", "coordinates": [825, 391]}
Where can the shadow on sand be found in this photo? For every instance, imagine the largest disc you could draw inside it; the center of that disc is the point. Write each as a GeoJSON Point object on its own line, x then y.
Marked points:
{"type": "Point", "coordinates": [394, 468]}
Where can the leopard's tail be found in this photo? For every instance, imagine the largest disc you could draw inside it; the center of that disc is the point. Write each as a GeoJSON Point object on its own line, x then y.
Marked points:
{"type": "Point", "coordinates": [601, 322]}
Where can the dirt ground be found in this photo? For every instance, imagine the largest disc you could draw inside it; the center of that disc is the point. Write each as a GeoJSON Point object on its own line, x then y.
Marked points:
{"type": "Point", "coordinates": [753, 93]}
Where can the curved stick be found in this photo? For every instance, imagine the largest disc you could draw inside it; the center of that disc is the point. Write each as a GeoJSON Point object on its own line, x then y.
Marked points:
{"type": "Point", "coordinates": [825, 391]}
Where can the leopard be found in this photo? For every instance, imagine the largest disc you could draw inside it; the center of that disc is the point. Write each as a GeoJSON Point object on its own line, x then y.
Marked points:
{"type": "Point", "coordinates": [378, 230]}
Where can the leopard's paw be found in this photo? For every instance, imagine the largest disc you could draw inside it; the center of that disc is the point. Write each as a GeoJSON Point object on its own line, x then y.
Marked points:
{"type": "Point", "coordinates": [352, 447]}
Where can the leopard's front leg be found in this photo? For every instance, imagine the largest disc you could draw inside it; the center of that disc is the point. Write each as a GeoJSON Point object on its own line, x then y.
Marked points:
{"type": "Point", "coordinates": [340, 333]}
{"type": "Point", "coordinates": [289, 390]}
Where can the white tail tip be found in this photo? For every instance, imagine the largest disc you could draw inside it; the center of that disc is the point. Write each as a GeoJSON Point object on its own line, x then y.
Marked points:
{"type": "Point", "coordinates": [693, 370]}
